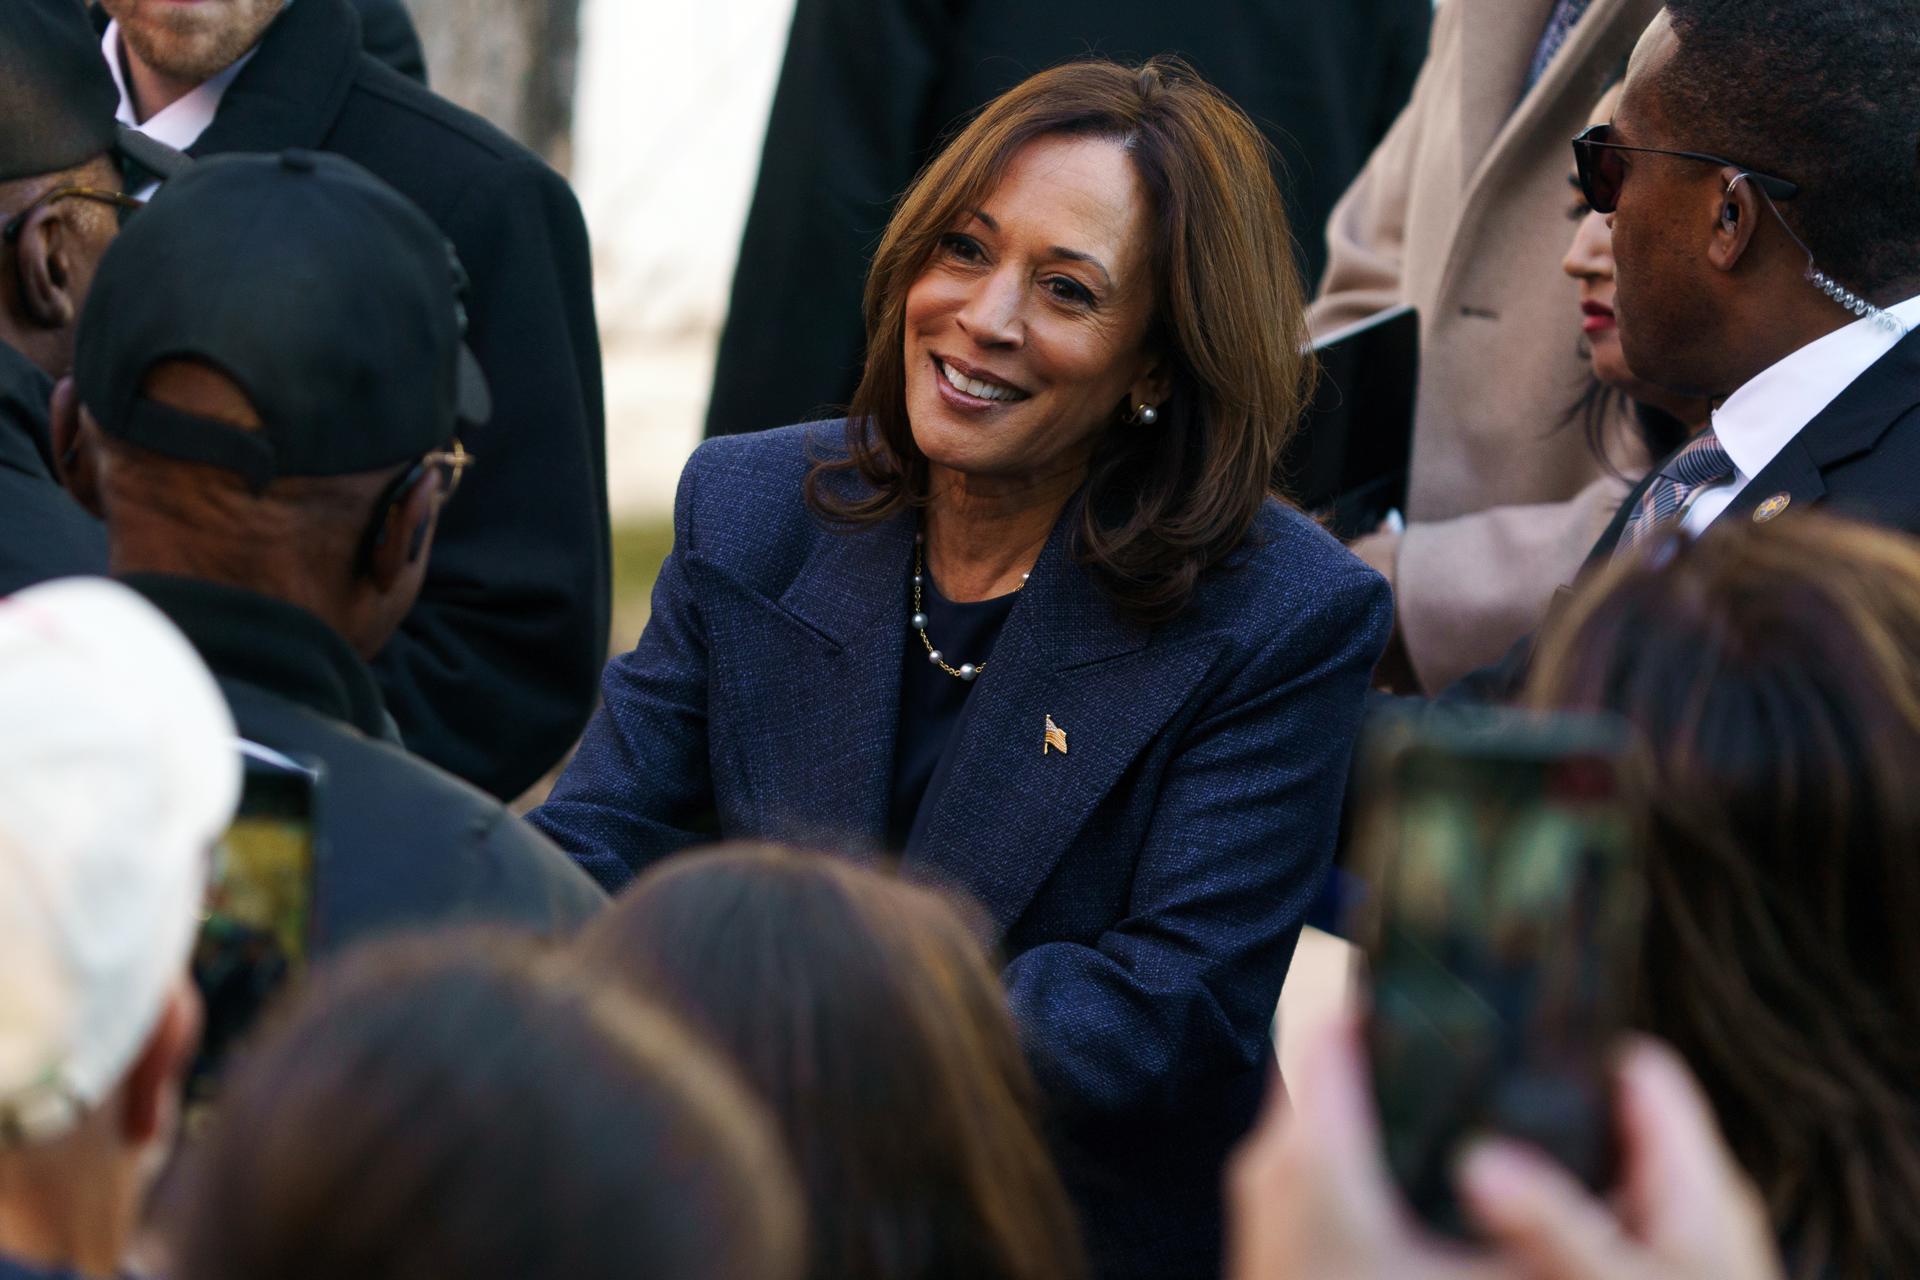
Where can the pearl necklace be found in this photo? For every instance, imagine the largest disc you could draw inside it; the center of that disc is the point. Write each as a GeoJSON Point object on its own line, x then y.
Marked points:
{"type": "Point", "coordinates": [966, 670]}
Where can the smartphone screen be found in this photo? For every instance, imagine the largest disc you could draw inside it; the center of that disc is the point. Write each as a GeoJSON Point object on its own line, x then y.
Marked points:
{"type": "Point", "coordinates": [1501, 936]}
{"type": "Point", "coordinates": [258, 922]}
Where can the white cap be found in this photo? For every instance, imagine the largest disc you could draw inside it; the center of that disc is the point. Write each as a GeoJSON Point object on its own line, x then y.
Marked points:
{"type": "Point", "coordinates": [118, 772]}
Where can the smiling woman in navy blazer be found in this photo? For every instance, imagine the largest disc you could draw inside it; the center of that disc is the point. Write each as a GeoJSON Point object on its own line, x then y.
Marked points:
{"type": "Point", "coordinates": [1034, 620]}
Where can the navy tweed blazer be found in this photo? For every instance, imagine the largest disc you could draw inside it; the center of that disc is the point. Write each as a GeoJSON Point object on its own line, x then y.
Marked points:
{"type": "Point", "coordinates": [1148, 886]}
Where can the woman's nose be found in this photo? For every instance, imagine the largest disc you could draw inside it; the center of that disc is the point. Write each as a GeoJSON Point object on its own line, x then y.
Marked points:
{"type": "Point", "coordinates": [992, 314]}
{"type": "Point", "coordinates": [1590, 256]}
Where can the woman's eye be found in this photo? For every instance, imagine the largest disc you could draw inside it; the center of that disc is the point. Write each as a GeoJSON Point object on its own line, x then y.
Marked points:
{"type": "Point", "coordinates": [1579, 211]}
{"type": "Point", "coordinates": [965, 248]}
{"type": "Point", "coordinates": [1068, 290]}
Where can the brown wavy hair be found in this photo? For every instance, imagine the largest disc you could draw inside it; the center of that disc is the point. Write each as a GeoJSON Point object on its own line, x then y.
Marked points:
{"type": "Point", "coordinates": [1164, 503]}
{"type": "Point", "coordinates": [1774, 672]}
{"type": "Point", "coordinates": [865, 1011]}
{"type": "Point", "coordinates": [461, 1104]}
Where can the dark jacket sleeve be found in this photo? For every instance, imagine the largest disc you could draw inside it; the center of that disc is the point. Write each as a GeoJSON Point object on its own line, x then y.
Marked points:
{"type": "Point", "coordinates": [387, 32]}
{"type": "Point", "coordinates": [493, 673]}
{"type": "Point", "coordinates": [1181, 992]}
{"type": "Point", "coordinates": [848, 127]}
{"type": "Point", "coordinates": [641, 785]}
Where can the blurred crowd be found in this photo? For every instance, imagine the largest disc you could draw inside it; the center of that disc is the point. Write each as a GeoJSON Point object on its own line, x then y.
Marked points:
{"type": "Point", "coordinates": [915, 893]}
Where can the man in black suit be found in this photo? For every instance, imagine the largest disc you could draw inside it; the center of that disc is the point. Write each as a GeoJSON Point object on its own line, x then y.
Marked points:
{"type": "Point", "coordinates": [387, 32]}
{"type": "Point", "coordinates": [60, 183]}
{"type": "Point", "coordinates": [1760, 174]}
{"type": "Point", "coordinates": [271, 477]}
{"type": "Point", "coordinates": [870, 87]}
{"type": "Point", "coordinates": [495, 670]}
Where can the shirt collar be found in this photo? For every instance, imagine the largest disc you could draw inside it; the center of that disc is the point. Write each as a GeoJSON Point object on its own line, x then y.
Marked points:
{"type": "Point", "coordinates": [181, 123]}
{"type": "Point", "coordinates": [1755, 423]}
{"type": "Point", "coordinates": [271, 645]}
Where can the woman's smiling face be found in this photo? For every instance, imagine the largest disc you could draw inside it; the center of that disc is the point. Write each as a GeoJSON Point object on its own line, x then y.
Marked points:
{"type": "Point", "coordinates": [1026, 334]}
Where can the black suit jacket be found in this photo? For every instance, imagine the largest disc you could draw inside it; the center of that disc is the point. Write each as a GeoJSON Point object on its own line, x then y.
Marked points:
{"type": "Point", "coordinates": [387, 32]}
{"type": "Point", "coordinates": [1858, 457]}
{"type": "Point", "coordinates": [869, 87]}
{"type": "Point", "coordinates": [494, 672]}
{"type": "Point", "coordinates": [44, 533]}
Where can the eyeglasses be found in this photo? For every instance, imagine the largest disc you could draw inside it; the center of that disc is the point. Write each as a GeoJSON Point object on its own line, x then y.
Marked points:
{"type": "Point", "coordinates": [125, 204]}
{"type": "Point", "coordinates": [451, 463]}
{"type": "Point", "coordinates": [1603, 170]}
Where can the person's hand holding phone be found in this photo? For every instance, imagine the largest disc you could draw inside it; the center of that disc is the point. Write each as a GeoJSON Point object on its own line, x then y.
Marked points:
{"type": "Point", "coordinates": [1311, 1199]}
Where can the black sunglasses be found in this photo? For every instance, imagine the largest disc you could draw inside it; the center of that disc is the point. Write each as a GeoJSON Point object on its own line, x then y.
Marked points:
{"type": "Point", "coordinates": [1597, 158]}
{"type": "Point", "coordinates": [124, 205]}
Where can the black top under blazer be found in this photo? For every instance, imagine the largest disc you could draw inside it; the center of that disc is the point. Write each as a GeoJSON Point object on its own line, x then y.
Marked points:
{"type": "Point", "coordinates": [511, 627]}
{"type": "Point", "coordinates": [1147, 887]}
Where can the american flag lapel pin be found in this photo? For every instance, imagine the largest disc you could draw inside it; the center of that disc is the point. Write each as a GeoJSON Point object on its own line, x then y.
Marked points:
{"type": "Point", "coordinates": [1054, 739]}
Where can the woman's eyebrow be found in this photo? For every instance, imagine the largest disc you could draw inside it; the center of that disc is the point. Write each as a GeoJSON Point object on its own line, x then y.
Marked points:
{"type": "Point", "coordinates": [1055, 251]}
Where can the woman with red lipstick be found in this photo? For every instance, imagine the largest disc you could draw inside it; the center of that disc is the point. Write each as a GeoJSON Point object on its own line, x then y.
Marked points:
{"type": "Point", "coordinates": [1501, 567]}
{"type": "Point", "coordinates": [1665, 419]}
{"type": "Point", "coordinates": [1031, 621]}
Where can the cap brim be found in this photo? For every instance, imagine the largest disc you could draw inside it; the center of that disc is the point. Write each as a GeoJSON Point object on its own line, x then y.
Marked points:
{"type": "Point", "coordinates": [474, 403]}
{"type": "Point", "coordinates": [155, 157]}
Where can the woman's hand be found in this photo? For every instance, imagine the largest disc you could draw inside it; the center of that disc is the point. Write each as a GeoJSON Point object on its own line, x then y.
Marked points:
{"type": "Point", "coordinates": [1310, 1197]}
{"type": "Point", "coordinates": [1684, 1209]}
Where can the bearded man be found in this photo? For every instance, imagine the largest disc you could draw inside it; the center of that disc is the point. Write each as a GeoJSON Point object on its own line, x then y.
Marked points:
{"type": "Point", "coordinates": [512, 626]}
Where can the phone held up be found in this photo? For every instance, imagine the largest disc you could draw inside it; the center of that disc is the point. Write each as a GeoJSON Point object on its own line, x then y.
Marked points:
{"type": "Point", "coordinates": [1501, 936]}
{"type": "Point", "coordinates": [257, 928]}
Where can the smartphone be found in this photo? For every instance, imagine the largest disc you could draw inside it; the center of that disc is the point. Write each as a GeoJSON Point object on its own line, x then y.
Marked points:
{"type": "Point", "coordinates": [1501, 933]}
{"type": "Point", "coordinates": [257, 928]}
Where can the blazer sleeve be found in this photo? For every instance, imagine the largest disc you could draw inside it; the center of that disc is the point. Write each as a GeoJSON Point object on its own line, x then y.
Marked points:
{"type": "Point", "coordinates": [1467, 588]}
{"type": "Point", "coordinates": [1182, 992]}
{"type": "Point", "coordinates": [641, 786]}
{"type": "Point", "coordinates": [849, 126]}
{"type": "Point", "coordinates": [512, 623]}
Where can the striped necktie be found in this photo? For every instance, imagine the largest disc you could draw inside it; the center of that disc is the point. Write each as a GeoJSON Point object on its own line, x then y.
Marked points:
{"type": "Point", "coordinates": [1566, 15]}
{"type": "Point", "coordinates": [1703, 462]}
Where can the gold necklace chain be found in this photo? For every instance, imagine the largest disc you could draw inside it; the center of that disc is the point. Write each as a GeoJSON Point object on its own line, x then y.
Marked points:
{"type": "Point", "coordinates": [965, 671]}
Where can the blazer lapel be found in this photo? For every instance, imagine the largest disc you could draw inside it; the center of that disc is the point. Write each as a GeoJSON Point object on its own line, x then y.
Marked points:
{"type": "Point", "coordinates": [1012, 807]}
{"type": "Point", "coordinates": [1497, 48]}
{"type": "Point", "coordinates": [819, 753]}
{"type": "Point", "coordinates": [293, 89]}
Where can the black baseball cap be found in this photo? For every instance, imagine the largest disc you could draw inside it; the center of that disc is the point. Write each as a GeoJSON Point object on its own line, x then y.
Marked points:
{"type": "Point", "coordinates": [329, 298]}
{"type": "Point", "coordinates": [57, 98]}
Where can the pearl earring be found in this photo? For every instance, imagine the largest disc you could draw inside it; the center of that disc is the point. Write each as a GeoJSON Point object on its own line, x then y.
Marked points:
{"type": "Point", "coordinates": [1146, 415]}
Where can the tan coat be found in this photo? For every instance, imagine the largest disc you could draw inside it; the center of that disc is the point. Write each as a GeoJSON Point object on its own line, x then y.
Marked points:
{"type": "Point", "coordinates": [1462, 212]}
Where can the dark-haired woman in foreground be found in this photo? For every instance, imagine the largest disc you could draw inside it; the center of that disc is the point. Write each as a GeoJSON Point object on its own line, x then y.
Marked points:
{"type": "Point", "coordinates": [461, 1106]}
{"type": "Point", "coordinates": [1031, 618]}
{"type": "Point", "coordinates": [1774, 672]}
{"type": "Point", "coordinates": [863, 1009]}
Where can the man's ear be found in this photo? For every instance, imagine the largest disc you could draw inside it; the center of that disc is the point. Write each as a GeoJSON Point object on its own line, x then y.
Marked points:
{"type": "Point", "coordinates": [410, 526]}
{"type": "Point", "coordinates": [1736, 217]}
{"type": "Point", "coordinates": [153, 1084]}
{"type": "Point", "coordinates": [76, 448]}
{"type": "Point", "coordinates": [44, 256]}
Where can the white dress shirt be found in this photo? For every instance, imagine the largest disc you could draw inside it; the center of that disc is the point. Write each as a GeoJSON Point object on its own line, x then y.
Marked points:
{"type": "Point", "coordinates": [1755, 423]}
{"type": "Point", "coordinates": [180, 123]}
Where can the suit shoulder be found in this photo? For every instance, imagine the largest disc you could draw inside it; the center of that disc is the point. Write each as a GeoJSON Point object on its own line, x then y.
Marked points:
{"type": "Point", "coordinates": [765, 468]}
{"type": "Point", "coordinates": [1295, 582]}
{"type": "Point", "coordinates": [388, 115]}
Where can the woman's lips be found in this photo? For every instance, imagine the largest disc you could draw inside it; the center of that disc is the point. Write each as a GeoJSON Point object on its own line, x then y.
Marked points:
{"type": "Point", "coordinates": [1599, 316]}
